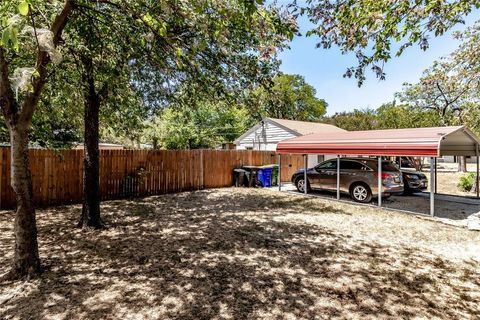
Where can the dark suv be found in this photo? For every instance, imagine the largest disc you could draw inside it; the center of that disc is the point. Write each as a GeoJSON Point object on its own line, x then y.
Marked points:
{"type": "Point", "coordinates": [358, 177]}
{"type": "Point", "coordinates": [414, 181]}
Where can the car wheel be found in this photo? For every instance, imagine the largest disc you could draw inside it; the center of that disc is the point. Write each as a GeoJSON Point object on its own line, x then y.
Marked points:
{"type": "Point", "coordinates": [361, 193]}
{"type": "Point", "coordinates": [300, 184]}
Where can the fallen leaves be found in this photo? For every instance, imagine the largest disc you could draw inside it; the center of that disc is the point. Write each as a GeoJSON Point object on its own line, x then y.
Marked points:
{"type": "Point", "coordinates": [244, 253]}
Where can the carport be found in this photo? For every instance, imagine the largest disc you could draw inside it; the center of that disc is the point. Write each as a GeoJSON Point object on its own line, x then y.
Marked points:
{"type": "Point", "coordinates": [431, 142]}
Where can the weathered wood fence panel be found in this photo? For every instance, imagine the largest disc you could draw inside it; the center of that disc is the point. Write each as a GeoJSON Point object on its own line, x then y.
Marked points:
{"type": "Point", "coordinates": [57, 175]}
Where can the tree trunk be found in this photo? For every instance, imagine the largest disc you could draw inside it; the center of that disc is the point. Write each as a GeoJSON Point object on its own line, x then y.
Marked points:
{"type": "Point", "coordinates": [415, 162]}
{"type": "Point", "coordinates": [91, 173]}
{"type": "Point", "coordinates": [26, 260]}
{"type": "Point", "coordinates": [155, 143]}
{"type": "Point", "coordinates": [462, 164]}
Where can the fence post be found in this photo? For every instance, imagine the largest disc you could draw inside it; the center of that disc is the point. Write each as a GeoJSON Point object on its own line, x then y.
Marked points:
{"type": "Point", "coordinates": [338, 177]}
{"type": "Point", "coordinates": [380, 181]}
{"type": "Point", "coordinates": [432, 187]}
{"type": "Point", "coordinates": [1, 176]}
{"type": "Point", "coordinates": [477, 184]}
{"type": "Point", "coordinates": [305, 177]}
{"type": "Point", "coordinates": [279, 174]}
{"type": "Point", "coordinates": [202, 169]}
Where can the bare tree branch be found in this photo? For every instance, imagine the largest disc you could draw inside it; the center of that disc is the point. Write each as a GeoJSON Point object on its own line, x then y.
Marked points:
{"type": "Point", "coordinates": [447, 103]}
{"type": "Point", "coordinates": [34, 29]}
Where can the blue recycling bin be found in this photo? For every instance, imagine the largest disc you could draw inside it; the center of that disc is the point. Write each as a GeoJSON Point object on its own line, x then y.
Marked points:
{"type": "Point", "coordinates": [273, 173]}
{"type": "Point", "coordinates": [265, 177]}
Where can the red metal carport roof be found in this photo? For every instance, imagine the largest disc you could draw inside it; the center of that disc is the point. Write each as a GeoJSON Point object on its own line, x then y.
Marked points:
{"type": "Point", "coordinates": [426, 142]}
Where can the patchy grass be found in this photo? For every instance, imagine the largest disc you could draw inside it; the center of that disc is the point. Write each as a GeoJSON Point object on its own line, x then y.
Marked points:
{"type": "Point", "coordinates": [245, 254]}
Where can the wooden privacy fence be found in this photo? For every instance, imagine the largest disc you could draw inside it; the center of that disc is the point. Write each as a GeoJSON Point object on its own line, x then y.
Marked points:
{"type": "Point", "coordinates": [57, 175]}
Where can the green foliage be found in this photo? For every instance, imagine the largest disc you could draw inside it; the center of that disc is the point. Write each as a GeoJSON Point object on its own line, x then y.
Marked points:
{"type": "Point", "coordinates": [207, 125]}
{"type": "Point", "coordinates": [52, 127]}
{"type": "Point", "coordinates": [392, 116]}
{"type": "Point", "coordinates": [467, 182]}
{"type": "Point", "coordinates": [387, 116]}
{"type": "Point", "coordinates": [222, 46]}
{"type": "Point", "coordinates": [357, 119]}
{"type": "Point", "coordinates": [372, 28]}
{"type": "Point", "coordinates": [288, 97]}
{"type": "Point", "coordinates": [186, 53]}
{"type": "Point", "coordinates": [122, 117]}
{"type": "Point", "coordinates": [145, 55]}
{"type": "Point", "coordinates": [23, 8]}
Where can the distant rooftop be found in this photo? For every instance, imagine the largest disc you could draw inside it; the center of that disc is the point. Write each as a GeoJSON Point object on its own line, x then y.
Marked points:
{"type": "Point", "coordinates": [305, 127]}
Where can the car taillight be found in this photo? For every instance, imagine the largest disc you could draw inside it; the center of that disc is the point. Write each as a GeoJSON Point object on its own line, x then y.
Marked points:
{"type": "Point", "coordinates": [385, 175]}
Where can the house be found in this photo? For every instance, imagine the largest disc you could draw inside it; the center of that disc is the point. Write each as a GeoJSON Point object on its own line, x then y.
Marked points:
{"type": "Point", "coordinates": [266, 134]}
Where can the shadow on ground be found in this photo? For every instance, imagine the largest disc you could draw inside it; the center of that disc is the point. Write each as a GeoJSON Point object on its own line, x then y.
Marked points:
{"type": "Point", "coordinates": [416, 203]}
{"type": "Point", "coordinates": [223, 254]}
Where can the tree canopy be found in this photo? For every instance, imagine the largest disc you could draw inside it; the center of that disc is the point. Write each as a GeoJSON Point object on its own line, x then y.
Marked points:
{"type": "Point", "coordinates": [387, 116]}
{"type": "Point", "coordinates": [222, 48]}
{"type": "Point", "coordinates": [207, 125]}
{"type": "Point", "coordinates": [358, 119]}
{"type": "Point", "coordinates": [287, 97]}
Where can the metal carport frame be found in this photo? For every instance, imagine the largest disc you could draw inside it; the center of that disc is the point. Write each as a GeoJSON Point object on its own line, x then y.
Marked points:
{"type": "Point", "coordinates": [419, 142]}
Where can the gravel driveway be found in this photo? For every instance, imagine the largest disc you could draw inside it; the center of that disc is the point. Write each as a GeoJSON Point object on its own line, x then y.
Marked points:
{"type": "Point", "coordinates": [451, 209]}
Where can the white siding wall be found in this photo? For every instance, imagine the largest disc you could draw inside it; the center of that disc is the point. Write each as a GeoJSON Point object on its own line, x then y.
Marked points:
{"type": "Point", "coordinates": [312, 160]}
{"type": "Point", "coordinates": [265, 138]}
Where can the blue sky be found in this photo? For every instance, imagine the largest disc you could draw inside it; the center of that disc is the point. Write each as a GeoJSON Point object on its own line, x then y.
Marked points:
{"type": "Point", "coordinates": [324, 69]}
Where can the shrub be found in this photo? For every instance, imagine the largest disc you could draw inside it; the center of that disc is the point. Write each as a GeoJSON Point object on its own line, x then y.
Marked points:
{"type": "Point", "coordinates": [467, 182]}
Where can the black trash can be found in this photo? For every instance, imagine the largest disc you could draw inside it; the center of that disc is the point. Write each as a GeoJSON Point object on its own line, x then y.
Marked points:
{"type": "Point", "coordinates": [239, 178]}
{"type": "Point", "coordinates": [251, 173]}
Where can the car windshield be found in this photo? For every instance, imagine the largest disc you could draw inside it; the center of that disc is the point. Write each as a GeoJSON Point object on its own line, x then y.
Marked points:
{"type": "Point", "coordinates": [388, 166]}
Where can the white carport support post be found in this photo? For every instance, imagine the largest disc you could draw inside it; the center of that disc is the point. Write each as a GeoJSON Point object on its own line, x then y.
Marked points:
{"type": "Point", "coordinates": [432, 187]}
{"type": "Point", "coordinates": [279, 176]}
{"type": "Point", "coordinates": [379, 181]}
{"type": "Point", "coordinates": [478, 165]}
{"type": "Point", "coordinates": [305, 179]}
{"type": "Point", "coordinates": [338, 177]}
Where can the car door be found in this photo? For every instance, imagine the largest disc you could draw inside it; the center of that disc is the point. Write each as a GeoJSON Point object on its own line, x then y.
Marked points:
{"type": "Point", "coordinates": [327, 174]}
{"type": "Point", "coordinates": [351, 171]}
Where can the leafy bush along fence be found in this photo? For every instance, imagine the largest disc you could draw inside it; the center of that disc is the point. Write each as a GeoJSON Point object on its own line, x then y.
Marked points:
{"type": "Point", "coordinates": [57, 175]}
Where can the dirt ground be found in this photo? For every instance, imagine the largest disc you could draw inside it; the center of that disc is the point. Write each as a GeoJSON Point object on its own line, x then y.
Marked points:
{"type": "Point", "coordinates": [447, 183]}
{"type": "Point", "coordinates": [452, 210]}
{"type": "Point", "coordinates": [245, 254]}
{"type": "Point", "coordinates": [448, 178]}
